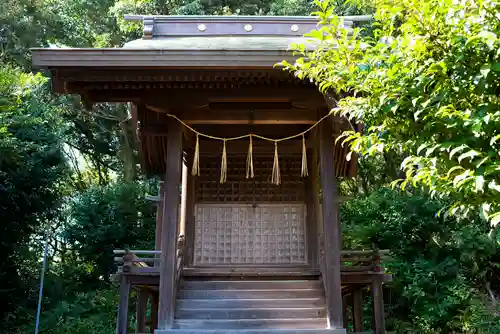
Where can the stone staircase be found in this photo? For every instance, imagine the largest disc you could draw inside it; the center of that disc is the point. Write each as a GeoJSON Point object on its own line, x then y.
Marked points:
{"type": "Point", "coordinates": [251, 306]}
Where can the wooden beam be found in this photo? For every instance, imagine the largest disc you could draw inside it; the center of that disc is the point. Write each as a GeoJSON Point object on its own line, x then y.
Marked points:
{"type": "Point", "coordinates": [171, 201]}
{"type": "Point", "coordinates": [220, 104]}
{"type": "Point", "coordinates": [122, 318]}
{"type": "Point", "coordinates": [163, 75]}
{"type": "Point", "coordinates": [242, 116]}
{"type": "Point", "coordinates": [208, 116]}
{"type": "Point", "coordinates": [222, 130]}
{"type": "Point", "coordinates": [305, 96]}
{"type": "Point", "coordinates": [331, 227]}
{"type": "Point", "coordinates": [378, 306]}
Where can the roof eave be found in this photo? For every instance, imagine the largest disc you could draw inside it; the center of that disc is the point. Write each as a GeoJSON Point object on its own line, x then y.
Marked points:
{"type": "Point", "coordinates": [134, 58]}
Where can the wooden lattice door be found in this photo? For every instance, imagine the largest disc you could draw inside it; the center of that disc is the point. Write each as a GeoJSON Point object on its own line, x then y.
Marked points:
{"type": "Point", "coordinates": [237, 234]}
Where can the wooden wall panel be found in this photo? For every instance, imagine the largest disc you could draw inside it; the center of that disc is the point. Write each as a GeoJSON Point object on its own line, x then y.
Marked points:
{"type": "Point", "coordinates": [232, 234]}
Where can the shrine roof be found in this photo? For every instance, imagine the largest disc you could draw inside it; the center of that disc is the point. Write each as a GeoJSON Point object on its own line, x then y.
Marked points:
{"type": "Point", "coordinates": [221, 43]}
{"type": "Point", "coordinates": [197, 41]}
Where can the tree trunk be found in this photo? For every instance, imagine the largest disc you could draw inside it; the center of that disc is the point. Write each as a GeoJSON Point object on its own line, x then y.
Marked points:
{"type": "Point", "coordinates": [126, 153]}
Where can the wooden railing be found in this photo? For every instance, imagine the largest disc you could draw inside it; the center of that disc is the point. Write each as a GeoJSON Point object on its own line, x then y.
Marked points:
{"type": "Point", "coordinates": [147, 261]}
{"type": "Point", "coordinates": [356, 260]}
{"type": "Point", "coordinates": [136, 260]}
{"type": "Point", "coordinates": [363, 260]}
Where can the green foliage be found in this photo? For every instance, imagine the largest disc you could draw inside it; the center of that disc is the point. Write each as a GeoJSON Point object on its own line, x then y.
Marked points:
{"type": "Point", "coordinates": [104, 218]}
{"type": "Point", "coordinates": [441, 267]}
{"type": "Point", "coordinates": [86, 23]}
{"type": "Point", "coordinates": [21, 23]}
{"type": "Point", "coordinates": [31, 167]}
{"type": "Point", "coordinates": [427, 84]}
{"type": "Point", "coordinates": [88, 312]}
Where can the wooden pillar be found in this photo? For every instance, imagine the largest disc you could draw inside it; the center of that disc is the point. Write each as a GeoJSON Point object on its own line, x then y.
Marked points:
{"type": "Point", "coordinates": [171, 199]}
{"type": "Point", "coordinates": [331, 227]}
{"type": "Point", "coordinates": [312, 223]}
{"type": "Point", "coordinates": [153, 321]}
{"type": "Point", "coordinates": [378, 306]}
{"type": "Point", "coordinates": [358, 310]}
{"type": "Point", "coordinates": [140, 310]}
{"type": "Point", "coordinates": [190, 223]}
{"type": "Point", "coordinates": [314, 167]}
{"type": "Point", "coordinates": [122, 317]}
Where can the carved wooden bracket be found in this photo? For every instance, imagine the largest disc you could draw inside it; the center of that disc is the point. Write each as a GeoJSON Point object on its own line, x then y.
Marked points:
{"type": "Point", "coordinates": [149, 25]}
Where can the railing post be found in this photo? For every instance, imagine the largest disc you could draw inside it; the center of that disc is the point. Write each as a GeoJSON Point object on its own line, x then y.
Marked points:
{"type": "Point", "coordinates": [140, 311]}
{"type": "Point", "coordinates": [376, 260]}
{"type": "Point", "coordinates": [377, 296]}
{"type": "Point", "coordinates": [357, 310]}
{"type": "Point", "coordinates": [378, 305]}
{"type": "Point", "coordinates": [122, 317]}
{"type": "Point", "coordinates": [154, 312]}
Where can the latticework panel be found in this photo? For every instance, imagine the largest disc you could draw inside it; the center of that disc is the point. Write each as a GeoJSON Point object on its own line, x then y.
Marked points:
{"type": "Point", "coordinates": [247, 234]}
{"type": "Point", "coordinates": [259, 189]}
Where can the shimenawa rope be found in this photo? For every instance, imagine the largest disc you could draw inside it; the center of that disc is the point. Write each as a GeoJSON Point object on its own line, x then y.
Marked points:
{"type": "Point", "coordinates": [275, 177]}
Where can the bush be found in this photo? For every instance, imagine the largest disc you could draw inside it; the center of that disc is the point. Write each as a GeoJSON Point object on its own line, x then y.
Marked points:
{"type": "Point", "coordinates": [105, 218]}
{"type": "Point", "coordinates": [89, 313]}
{"type": "Point", "coordinates": [442, 268]}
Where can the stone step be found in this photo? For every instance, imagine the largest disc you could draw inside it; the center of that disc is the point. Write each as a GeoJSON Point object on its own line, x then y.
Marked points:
{"type": "Point", "coordinates": [250, 294]}
{"type": "Point", "coordinates": [251, 331]}
{"type": "Point", "coordinates": [242, 303]}
{"type": "Point", "coordinates": [247, 285]}
{"type": "Point", "coordinates": [251, 324]}
{"type": "Point", "coordinates": [251, 313]}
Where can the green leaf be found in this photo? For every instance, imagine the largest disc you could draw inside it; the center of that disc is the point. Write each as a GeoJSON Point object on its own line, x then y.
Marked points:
{"type": "Point", "coordinates": [430, 150]}
{"type": "Point", "coordinates": [460, 178]}
{"type": "Point", "coordinates": [348, 156]}
{"type": "Point", "coordinates": [494, 139]}
{"type": "Point", "coordinates": [453, 169]}
{"type": "Point", "coordinates": [479, 184]}
{"type": "Point", "coordinates": [482, 161]}
{"type": "Point", "coordinates": [476, 128]}
{"type": "Point", "coordinates": [471, 154]}
{"type": "Point", "coordinates": [485, 209]}
{"type": "Point", "coordinates": [494, 186]}
{"type": "Point", "coordinates": [495, 219]}
{"type": "Point", "coordinates": [457, 149]}
{"type": "Point", "coordinates": [421, 147]}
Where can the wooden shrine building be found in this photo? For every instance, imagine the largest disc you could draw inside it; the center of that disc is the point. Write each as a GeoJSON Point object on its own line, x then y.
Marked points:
{"type": "Point", "coordinates": [259, 250]}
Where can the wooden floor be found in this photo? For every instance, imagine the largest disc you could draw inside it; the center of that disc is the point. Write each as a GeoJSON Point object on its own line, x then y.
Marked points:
{"type": "Point", "coordinates": [152, 275]}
